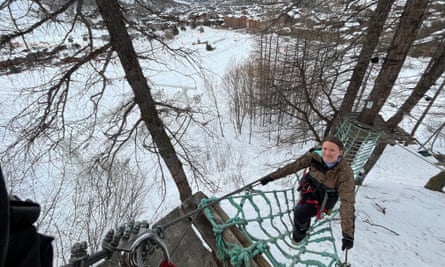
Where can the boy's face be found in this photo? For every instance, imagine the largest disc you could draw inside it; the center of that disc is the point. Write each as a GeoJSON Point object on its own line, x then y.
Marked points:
{"type": "Point", "coordinates": [330, 152]}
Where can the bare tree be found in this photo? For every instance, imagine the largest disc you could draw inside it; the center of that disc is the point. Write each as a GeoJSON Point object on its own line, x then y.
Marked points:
{"type": "Point", "coordinates": [409, 25]}
{"type": "Point", "coordinates": [239, 82]}
{"type": "Point", "coordinates": [404, 37]}
{"type": "Point", "coordinates": [303, 87]}
{"type": "Point", "coordinates": [60, 115]}
{"type": "Point", "coordinates": [296, 74]}
{"type": "Point", "coordinates": [433, 72]}
{"type": "Point", "coordinates": [121, 43]}
{"type": "Point", "coordinates": [374, 31]}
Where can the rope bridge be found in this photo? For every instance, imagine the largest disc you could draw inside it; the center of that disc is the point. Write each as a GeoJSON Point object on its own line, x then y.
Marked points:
{"type": "Point", "coordinates": [265, 219]}
{"type": "Point", "coordinates": [359, 141]}
{"type": "Point", "coordinates": [253, 228]}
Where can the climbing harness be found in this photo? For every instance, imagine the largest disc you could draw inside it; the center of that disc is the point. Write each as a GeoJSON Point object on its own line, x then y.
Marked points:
{"type": "Point", "coordinates": [308, 187]}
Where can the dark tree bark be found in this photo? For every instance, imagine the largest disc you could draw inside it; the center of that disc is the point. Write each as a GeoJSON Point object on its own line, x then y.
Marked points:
{"type": "Point", "coordinates": [432, 73]}
{"type": "Point", "coordinates": [375, 29]}
{"type": "Point", "coordinates": [121, 42]}
{"type": "Point", "coordinates": [410, 23]}
{"type": "Point", "coordinates": [404, 37]}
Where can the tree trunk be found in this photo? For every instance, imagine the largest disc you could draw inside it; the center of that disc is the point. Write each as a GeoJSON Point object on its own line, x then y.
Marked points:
{"type": "Point", "coordinates": [432, 73]}
{"type": "Point", "coordinates": [375, 29]}
{"type": "Point", "coordinates": [121, 42]}
{"type": "Point", "coordinates": [404, 37]}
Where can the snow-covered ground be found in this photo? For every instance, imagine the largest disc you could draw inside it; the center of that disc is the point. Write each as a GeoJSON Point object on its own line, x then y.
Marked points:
{"type": "Point", "coordinates": [398, 221]}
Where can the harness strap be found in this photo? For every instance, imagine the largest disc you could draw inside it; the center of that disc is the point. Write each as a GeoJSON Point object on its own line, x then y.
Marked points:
{"type": "Point", "coordinates": [319, 208]}
{"type": "Point", "coordinates": [325, 200]}
{"type": "Point", "coordinates": [307, 188]}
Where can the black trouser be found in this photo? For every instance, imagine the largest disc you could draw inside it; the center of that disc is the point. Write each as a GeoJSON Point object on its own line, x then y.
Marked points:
{"type": "Point", "coordinates": [303, 213]}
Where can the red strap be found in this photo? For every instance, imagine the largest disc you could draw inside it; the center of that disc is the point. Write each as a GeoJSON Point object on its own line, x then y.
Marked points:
{"type": "Point", "coordinates": [306, 188]}
{"type": "Point", "coordinates": [304, 172]}
{"type": "Point", "coordinates": [166, 263]}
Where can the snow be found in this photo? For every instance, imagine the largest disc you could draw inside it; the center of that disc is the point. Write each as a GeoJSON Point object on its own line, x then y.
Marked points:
{"type": "Point", "coordinates": [410, 231]}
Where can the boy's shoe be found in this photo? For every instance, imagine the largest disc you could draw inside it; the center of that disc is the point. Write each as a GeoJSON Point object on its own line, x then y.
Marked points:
{"type": "Point", "coordinates": [297, 236]}
{"type": "Point", "coordinates": [294, 242]}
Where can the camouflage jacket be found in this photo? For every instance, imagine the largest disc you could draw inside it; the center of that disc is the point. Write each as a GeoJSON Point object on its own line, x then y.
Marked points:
{"type": "Point", "coordinates": [339, 177]}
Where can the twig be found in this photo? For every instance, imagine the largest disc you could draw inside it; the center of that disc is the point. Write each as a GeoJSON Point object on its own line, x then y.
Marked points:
{"type": "Point", "coordinates": [380, 208]}
{"type": "Point", "coordinates": [378, 225]}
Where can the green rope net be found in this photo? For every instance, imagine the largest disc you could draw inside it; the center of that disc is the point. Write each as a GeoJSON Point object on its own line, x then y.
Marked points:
{"type": "Point", "coordinates": [264, 218]}
{"type": "Point", "coordinates": [359, 141]}
{"type": "Point", "coordinates": [253, 228]}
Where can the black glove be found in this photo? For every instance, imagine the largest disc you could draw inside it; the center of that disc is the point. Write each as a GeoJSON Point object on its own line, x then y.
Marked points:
{"type": "Point", "coordinates": [347, 242]}
{"type": "Point", "coordinates": [266, 180]}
